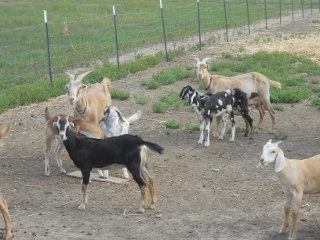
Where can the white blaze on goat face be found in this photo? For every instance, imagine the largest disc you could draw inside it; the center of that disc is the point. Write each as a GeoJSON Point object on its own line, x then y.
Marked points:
{"type": "Point", "coordinates": [74, 91]}
{"type": "Point", "coordinates": [269, 153]}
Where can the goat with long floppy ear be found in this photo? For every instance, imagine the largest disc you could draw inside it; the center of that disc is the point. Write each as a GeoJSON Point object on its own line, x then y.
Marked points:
{"type": "Point", "coordinates": [3, 204]}
{"type": "Point", "coordinates": [297, 177]}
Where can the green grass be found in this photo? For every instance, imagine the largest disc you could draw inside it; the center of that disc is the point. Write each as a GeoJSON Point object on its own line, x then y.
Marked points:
{"type": "Point", "coordinates": [141, 98]}
{"type": "Point", "coordinates": [170, 100]}
{"type": "Point", "coordinates": [193, 127]}
{"type": "Point", "coordinates": [278, 108]}
{"type": "Point", "coordinates": [119, 94]}
{"type": "Point", "coordinates": [280, 135]}
{"type": "Point", "coordinates": [172, 124]}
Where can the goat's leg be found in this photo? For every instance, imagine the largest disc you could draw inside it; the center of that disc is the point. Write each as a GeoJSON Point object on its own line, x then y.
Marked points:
{"type": "Point", "coordinates": [84, 186]}
{"type": "Point", "coordinates": [49, 141]}
{"type": "Point", "coordinates": [262, 113]}
{"type": "Point", "coordinates": [285, 224]}
{"type": "Point", "coordinates": [201, 131]}
{"type": "Point", "coordinates": [144, 198]}
{"type": "Point", "coordinates": [7, 220]}
{"type": "Point", "coordinates": [224, 124]}
{"type": "Point", "coordinates": [215, 131]}
{"type": "Point", "coordinates": [233, 123]}
{"type": "Point", "coordinates": [152, 193]}
{"type": "Point", "coordinates": [125, 173]}
{"type": "Point", "coordinates": [207, 141]}
{"type": "Point", "coordinates": [297, 198]}
{"type": "Point", "coordinates": [58, 155]}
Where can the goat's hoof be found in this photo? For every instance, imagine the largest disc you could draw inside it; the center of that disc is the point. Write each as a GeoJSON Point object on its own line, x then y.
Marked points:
{"type": "Point", "coordinates": [152, 206]}
{"type": "Point", "coordinates": [82, 207]}
{"type": "Point", "coordinates": [62, 171]}
{"type": "Point", "coordinates": [231, 140]}
{"type": "Point", "coordinates": [283, 230]}
{"type": "Point", "coordinates": [141, 210]}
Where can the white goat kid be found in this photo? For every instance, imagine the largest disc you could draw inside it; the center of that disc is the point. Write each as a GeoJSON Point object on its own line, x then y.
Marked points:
{"type": "Point", "coordinates": [89, 101]}
{"type": "Point", "coordinates": [296, 176]}
{"type": "Point", "coordinates": [249, 83]}
{"type": "Point", "coordinates": [115, 124]}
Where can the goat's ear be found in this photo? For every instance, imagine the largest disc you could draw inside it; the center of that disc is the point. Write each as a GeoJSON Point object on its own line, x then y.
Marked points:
{"type": "Point", "coordinates": [54, 124]}
{"type": "Point", "coordinates": [278, 142]}
{"type": "Point", "coordinates": [280, 162]}
{"type": "Point", "coordinates": [66, 86]}
{"type": "Point", "coordinates": [84, 86]}
{"type": "Point", "coordinates": [71, 124]}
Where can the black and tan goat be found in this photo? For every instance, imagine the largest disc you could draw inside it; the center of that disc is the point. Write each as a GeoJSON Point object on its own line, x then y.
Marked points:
{"type": "Point", "coordinates": [210, 105]}
{"type": "Point", "coordinates": [127, 150]}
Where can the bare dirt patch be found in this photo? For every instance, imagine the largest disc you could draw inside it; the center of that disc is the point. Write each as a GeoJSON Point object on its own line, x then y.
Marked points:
{"type": "Point", "coordinates": [203, 193]}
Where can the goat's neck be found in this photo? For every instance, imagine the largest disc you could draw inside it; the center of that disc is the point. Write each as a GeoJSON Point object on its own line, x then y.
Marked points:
{"type": "Point", "coordinates": [82, 103]}
{"type": "Point", "coordinates": [207, 79]}
{"type": "Point", "coordinates": [70, 143]}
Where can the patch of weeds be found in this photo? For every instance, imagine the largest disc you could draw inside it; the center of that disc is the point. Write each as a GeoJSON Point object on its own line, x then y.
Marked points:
{"type": "Point", "coordinates": [315, 21]}
{"type": "Point", "coordinates": [141, 98]}
{"type": "Point", "coordinates": [171, 76]}
{"type": "Point", "coordinates": [315, 88]}
{"type": "Point", "coordinates": [193, 127]}
{"type": "Point", "coordinates": [238, 130]}
{"type": "Point", "coordinates": [172, 124]}
{"type": "Point", "coordinates": [151, 84]}
{"type": "Point", "coordinates": [277, 107]}
{"type": "Point", "coordinates": [119, 94]}
{"type": "Point", "coordinates": [165, 102]}
{"type": "Point", "coordinates": [315, 81]}
{"type": "Point", "coordinates": [316, 103]}
{"type": "Point", "coordinates": [280, 135]}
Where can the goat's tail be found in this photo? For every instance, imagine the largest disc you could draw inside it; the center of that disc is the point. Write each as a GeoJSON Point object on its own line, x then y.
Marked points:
{"type": "Point", "coordinates": [106, 81]}
{"type": "Point", "coordinates": [153, 146]}
{"type": "Point", "coordinates": [47, 114]}
{"type": "Point", "coordinates": [275, 84]}
{"type": "Point", "coordinates": [134, 117]}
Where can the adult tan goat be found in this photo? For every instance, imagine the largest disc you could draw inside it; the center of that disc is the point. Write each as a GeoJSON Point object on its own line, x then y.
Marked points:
{"type": "Point", "coordinates": [248, 82]}
{"type": "Point", "coordinates": [3, 204]}
{"type": "Point", "coordinates": [89, 101]}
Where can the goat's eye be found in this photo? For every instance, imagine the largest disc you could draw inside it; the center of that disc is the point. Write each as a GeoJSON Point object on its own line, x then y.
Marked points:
{"type": "Point", "coordinates": [273, 152]}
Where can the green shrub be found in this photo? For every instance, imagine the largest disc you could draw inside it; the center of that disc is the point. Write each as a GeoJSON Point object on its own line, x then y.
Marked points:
{"type": "Point", "coordinates": [159, 107]}
{"type": "Point", "coordinates": [279, 108]}
{"type": "Point", "coordinates": [151, 84]}
{"type": "Point", "coordinates": [172, 124]}
{"type": "Point", "coordinates": [193, 127]}
{"type": "Point", "coordinates": [280, 135]}
{"type": "Point", "coordinates": [119, 94]}
{"type": "Point", "coordinates": [141, 98]}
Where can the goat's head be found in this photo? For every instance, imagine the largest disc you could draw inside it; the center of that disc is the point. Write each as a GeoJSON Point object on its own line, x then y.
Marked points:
{"type": "Point", "coordinates": [201, 67]}
{"type": "Point", "coordinates": [62, 125]}
{"type": "Point", "coordinates": [112, 113]}
{"type": "Point", "coordinates": [184, 92]}
{"type": "Point", "coordinates": [272, 154]}
{"type": "Point", "coordinates": [75, 87]}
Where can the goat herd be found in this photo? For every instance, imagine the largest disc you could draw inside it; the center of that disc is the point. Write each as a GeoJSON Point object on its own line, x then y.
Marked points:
{"type": "Point", "coordinates": [97, 136]}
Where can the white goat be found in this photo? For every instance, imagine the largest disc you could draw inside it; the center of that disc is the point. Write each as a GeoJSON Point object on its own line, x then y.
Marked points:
{"type": "Point", "coordinates": [82, 128]}
{"type": "Point", "coordinates": [3, 204]}
{"type": "Point", "coordinates": [89, 101]}
{"type": "Point", "coordinates": [296, 176]}
{"type": "Point", "coordinates": [114, 124]}
{"type": "Point", "coordinates": [249, 83]}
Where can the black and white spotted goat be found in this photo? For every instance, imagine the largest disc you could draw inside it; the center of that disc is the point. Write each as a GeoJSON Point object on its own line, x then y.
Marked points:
{"type": "Point", "coordinates": [211, 105]}
{"type": "Point", "coordinates": [127, 150]}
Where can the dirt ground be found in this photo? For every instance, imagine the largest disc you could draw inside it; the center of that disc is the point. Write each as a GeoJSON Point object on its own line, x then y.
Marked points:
{"type": "Point", "coordinates": [203, 193]}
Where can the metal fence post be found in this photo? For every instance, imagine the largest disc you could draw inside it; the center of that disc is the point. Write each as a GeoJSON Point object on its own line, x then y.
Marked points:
{"type": "Point", "coordinates": [164, 32]}
{"type": "Point", "coordinates": [116, 34]}
{"type": "Point", "coordinates": [199, 23]}
{"type": "Point", "coordinates": [48, 44]}
{"type": "Point", "coordinates": [248, 16]}
{"type": "Point", "coordinates": [265, 13]}
{"type": "Point", "coordinates": [292, 8]}
{"type": "Point", "coordinates": [226, 19]}
{"type": "Point", "coordinates": [302, 8]}
{"type": "Point", "coordinates": [280, 10]}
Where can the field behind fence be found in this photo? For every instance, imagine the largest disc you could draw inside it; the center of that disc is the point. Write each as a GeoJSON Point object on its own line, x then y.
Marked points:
{"type": "Point", "coordinates": [83, 34]}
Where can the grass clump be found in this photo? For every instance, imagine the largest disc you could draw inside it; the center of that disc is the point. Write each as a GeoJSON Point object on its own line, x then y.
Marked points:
{"type": "Point", "coordinates": [171, 76]}
{"type": "Point", "coordinates": [279, 108]}
{"type": "Point", "coordinates": [151, 84]}
{"type": "Point", "coordinates": [119, 94]}
{"type": "Point", "coordinates": [316, 103]}
{"type": "Point", "coordinates": [193, 127]}
{"type": "Point", "coordinates": [165, 102]}
{"type": "Point", "coordinates": [141, 98]}
{"type": "Point", "coordinates": [280, 135]}
{"type": "Point", "coordinates": [172, 124]}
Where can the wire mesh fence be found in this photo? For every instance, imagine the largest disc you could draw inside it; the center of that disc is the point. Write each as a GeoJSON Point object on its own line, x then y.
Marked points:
{"type": "Point", "coordinates": [111, 36]}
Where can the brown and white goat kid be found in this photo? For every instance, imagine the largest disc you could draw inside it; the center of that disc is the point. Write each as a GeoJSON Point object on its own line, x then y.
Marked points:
{"type": "Point", "coordinates": [115, 124]}
{"type": "Point", "coordinates": [3, 204]}
{"type": "Point", "coordinates": [89, 153]}
{"type": "Point", "coordinates": [296, 176]}
{"type": "Point", "coordinates": [81, 128]}
{"type": "Point", "coordinates": [89, 101]}
{"type": "Point", "coordinates": [249, 83]}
